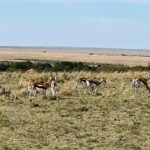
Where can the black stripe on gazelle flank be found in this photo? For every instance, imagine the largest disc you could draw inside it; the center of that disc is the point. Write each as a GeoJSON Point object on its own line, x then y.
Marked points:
{"type": "Point", "coordinates": [34, 87]}
{"type": "Point", "coordinates": [41, 86]}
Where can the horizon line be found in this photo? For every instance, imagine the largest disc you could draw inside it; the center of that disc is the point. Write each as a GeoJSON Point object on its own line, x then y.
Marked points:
{"type": "Point", "coordinates": [71, 47]}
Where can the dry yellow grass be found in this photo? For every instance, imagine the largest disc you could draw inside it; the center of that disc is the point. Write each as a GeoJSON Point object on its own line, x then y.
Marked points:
{"type": "Point", "coordinates": [117, 118]}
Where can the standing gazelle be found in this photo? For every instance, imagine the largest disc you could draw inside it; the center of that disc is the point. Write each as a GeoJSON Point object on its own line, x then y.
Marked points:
{"type": "Point", "coordinates": [95, 84]}
{"type": "Point", "coordinates": [41, 86]}
{"type": "Point", "coordinates": [89, 83]}
{"type": "Point", "coordinates": [81, 81]}
{"type": "Point", "coordinates": [140, 79]}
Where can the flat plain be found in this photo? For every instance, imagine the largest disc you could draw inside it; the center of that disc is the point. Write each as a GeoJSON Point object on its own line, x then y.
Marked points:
{"type": "Point", "coordinates": [111, 56]}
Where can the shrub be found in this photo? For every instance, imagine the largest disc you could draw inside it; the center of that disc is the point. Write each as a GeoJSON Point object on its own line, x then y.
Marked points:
{"type": "Point", "coordinates": [68, 66]}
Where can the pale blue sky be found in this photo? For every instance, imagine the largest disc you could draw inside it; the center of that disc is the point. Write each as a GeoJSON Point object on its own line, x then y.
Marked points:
{"type": "Point", "coordinates": [79, 23]}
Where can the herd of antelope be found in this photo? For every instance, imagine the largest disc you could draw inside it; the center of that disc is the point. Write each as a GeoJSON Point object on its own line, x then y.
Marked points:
{"type": "Point", "coordinates": [42, 86]}
{"type": "Point", "coordinates": [34, 87]}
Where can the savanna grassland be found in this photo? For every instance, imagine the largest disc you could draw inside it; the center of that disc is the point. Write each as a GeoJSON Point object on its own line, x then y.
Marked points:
{"type": "Point", "coordinates": [117, 118]}
{"type": "Point", "coordinates": [110, 56]}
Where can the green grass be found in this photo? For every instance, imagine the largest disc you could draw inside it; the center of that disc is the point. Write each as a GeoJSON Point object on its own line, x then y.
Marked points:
{"type": "Point", "coordinates": [116, 119]}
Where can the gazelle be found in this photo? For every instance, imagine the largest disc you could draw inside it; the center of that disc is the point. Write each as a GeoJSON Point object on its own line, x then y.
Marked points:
{"type": "Point", "coordinates": [140, 79]}
{"type": "Point", "coordinates": [89, 83]}
{"type": "Point", "coordinates": [95, 84]}
{"type": "Point", "coordinates": [80, 81]}
{"type": "Point", "coordinates": [41, 86]}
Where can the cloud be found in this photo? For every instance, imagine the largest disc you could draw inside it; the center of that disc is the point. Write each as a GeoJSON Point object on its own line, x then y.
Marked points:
{"type": "Point", "coordinates": [82, 1]}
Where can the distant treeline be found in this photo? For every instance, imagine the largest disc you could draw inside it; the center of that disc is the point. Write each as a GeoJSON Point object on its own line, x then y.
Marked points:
{"type": "Point", "coordinates": [68, 66]}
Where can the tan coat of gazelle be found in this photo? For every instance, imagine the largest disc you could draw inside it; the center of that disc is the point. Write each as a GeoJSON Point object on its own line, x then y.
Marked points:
{"type": "Point", "coordinates": [136, 80]}
{"type": "Point", "coordinates": [41, 86]}
{"type": "Point", "coordinates": [89, 83]}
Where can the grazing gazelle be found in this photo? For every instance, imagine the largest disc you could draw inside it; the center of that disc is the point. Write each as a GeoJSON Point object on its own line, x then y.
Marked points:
{"type": "Point", "coordinates": [41, 86]}
{"type": "Point", "coordinates": [140, 79]}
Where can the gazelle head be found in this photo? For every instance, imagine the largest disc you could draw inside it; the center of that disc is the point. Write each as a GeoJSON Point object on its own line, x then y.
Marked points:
{"type": "Point", "coordinates": [54, 76]}
{"type": "Point", "coordinates": [50, 78]}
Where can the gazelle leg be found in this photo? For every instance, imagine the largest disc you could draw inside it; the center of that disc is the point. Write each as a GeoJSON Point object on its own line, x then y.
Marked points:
{"type": "Point", "coordinates": [135, 84]}
{"type": "Point", "coordinates": [77, 87]}
{"type": "Point", "coordinates": [136, 89]}
{"type": "Point", "coordinates": [86, 90]}
{"type": "Point", "coordinates": [53, 90]}
{"type": "Point", "coordinates": [34, 93]}
{"type": "Point", "coordinates": [44, 94]}
{"type": "Point", "coordinates": [96, 90]}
